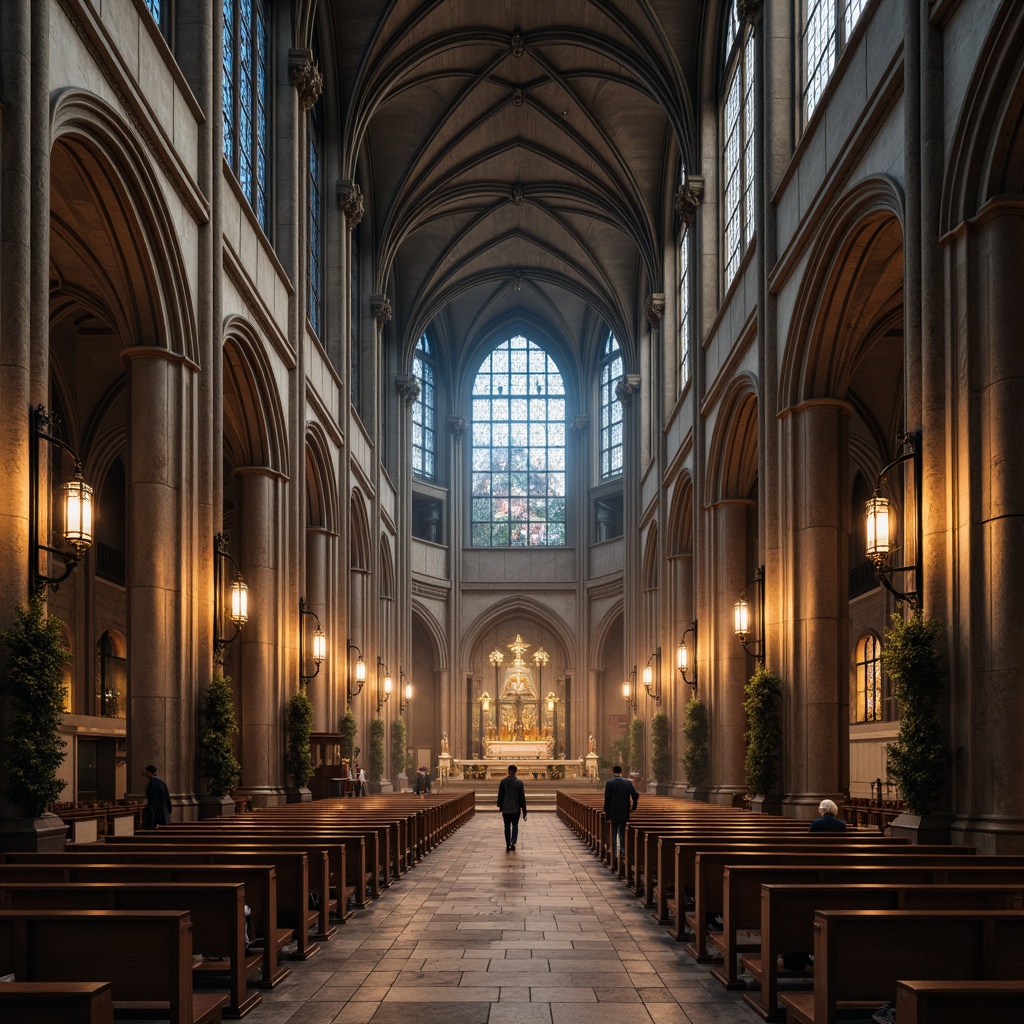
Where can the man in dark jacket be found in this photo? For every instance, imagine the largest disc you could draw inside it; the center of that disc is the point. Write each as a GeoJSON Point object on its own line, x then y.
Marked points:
{"type": "Point", "coordinates": [158, 800]}
{"type": "Point", "coordinates": [511, 800]}
{"type": "Point", "coordinates": [620, 798]}
{"type": "Point", "coordinates": [828, 822]}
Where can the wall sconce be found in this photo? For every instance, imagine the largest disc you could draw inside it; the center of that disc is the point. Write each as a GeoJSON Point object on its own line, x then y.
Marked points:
{"type": "Point", "coordinates": [629, 690]}
{"type": "Point", "coordinates": [496, 658]}
{"type": "Point", "coordinates": [683, 656]}
{"type": "Point", "coordinates": [652, 679]}
{"type": "Point", "coordinates": [741, 618]}
{"type": "Point", "coordinates": [877, 513]}
{"type": "Point", "coordinates": [319, 643]}
{"type": "Point", "coordinates": [238, 597]}
{"type": "Point", "coordinates": [383, 685]}
{"type": "Point", "coordinates": [360, 672]}
{"type": "Point", "coordinates": [77, 506]}
{"type": "Point", "coordinates": [405, 695]}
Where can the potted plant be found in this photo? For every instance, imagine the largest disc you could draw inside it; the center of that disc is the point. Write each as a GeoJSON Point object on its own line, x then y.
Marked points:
{"type": "Point", "coordinates": [636, 750]}
{"type": "Point", "coordinates": [375, 767]}
{"type": "Point", "coordinates": [621, 748]}
{"type": "Point", "coordinates": [917, 762]}
{"type": "Point", "coordinates": [697, 760]}
{"type": "Point", "coordinates": [298, 760]}
{"type": "Point", "coordinates": [398, 776]}
{"type": "Point", "coordinates": [32, 682]}
{"type": "Point", "coordinates": [217, 762]}
{"type": "Point", "coordinates": [763, 705]}
{"type": "Point", "coordinates": [661, 754]}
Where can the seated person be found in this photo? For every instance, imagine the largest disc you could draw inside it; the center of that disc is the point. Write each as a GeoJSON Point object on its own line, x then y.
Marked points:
{"type": "Point", "coordinates": [828, 822]}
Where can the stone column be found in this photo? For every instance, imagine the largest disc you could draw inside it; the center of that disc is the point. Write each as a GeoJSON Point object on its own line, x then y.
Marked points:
{"type": "Point", "coordinates": [684, 611]}
{"type": "Point", "coordinates": [817, 731]}
{"type": "Point", "coordinates": [729, 665]}
{"type": "Point", "coordinates": [161, 708]}
{"type": "Point", "coordinates": [321, 690]}
{"type": "Point", "coordinates": [263, 700]}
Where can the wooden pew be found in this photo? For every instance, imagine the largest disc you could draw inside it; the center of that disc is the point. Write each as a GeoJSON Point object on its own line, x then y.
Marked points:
{"type": "Point", "coordinates": [787, 914]}
{"type": "Point", "coordinates": [56, 1002]}
{"type": "Point", "coordinates": [217, 910]}
{"type": "Point", "coordinates": [953, 1002]}
{"type": "Point", "coordinates": [259, 875]}
{"type": "Point", "coordinates": [861, 955]}
{"type": "Point", "coordinates": [145, 955]}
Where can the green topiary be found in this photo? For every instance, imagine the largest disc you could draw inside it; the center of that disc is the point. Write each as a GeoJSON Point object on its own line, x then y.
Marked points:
{"type": "Point", "coordinates": [636, 746]}
{"type": "Point", "coordinates": [661, 755]}
{"type": "Point", "coordinates": [917, 761]}
{"type": "Point", "coordinates": [697, 760]}
{"type": "Point", "coordinates": [217, 762]}
{"type": "Point", "coordinates": [33, 680]}
{"type": "Point", "coordinates": [621, 748]}
{"type": "Point", "coordinates": [763, 705]}
{"type": "Point", "coordinates": [298, 761]}
{"type": "Point", "coordinates": [397, 748]}
{"type": "Point", "coordinates": [349, 729]}
{"type": "Point", "coordinates": [376, 766]}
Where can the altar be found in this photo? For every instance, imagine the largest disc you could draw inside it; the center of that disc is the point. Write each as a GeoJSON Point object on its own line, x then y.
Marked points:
{"type": "Point", "coordinates": [536, 768]}
{"type": "Point", "coordinates": [511, 750]}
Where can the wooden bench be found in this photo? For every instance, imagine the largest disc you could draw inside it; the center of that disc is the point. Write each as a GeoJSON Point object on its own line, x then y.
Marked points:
{"type": "Point", "coordinates": [861, 955]}
{"type": "Point", "coordinates": [56, 1002]}
{"type": "Point", "coordinates": [145, 955]}
{"type": "Point", "coordinates": [953, 1002]}
{"type": "Point", "coordinates": [259, 879]}
{"type": "Point", "coordinates": [217, 910]}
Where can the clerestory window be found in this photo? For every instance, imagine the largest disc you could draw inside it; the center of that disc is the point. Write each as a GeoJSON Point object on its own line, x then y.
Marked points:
{"type": "Point", "coordinates": [315, 240]}
{"type": "Point", "coordinates": [423, 424]}
{"type": "Point", "coordinates": [611, 409]}
{"type": "Point", "coordinates": [518, 451]}
{"type": "Point", "coordinates": [738, 143]}
{"type": "Point", "coordinates": [867, 697]}
{"type": "Point", "coordinates": [828, 26]}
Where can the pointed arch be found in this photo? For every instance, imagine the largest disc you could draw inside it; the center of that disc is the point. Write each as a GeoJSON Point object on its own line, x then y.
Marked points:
{"type": "Point", "coordinates": [521, 606]}
{"type": "Point", "coordinates": [732, 457]}
{"type": "Point", "coordinates": [321, 481]}
{"type": "Point", "coordinates": [359, 530]}
{"type": "Point", "coordinates": [434, 631]}
{"type": "Point", "coordinates": [602, 634]}
{"type": "Point", "coordinates": [651, 560]}
{"type": "Point", "coordinates": [680, 529]}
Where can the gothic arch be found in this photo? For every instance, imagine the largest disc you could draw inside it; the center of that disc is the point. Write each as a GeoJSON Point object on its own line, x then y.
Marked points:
{"type": "Point", "coordinates": [651, 560]}
{"type": "Point", "coordinates": [434, 631]}
{"type": "Point", "coordinates": [732, 456]}
{"type": "Point", "coordinates": [680, 523]}
{"type": "Point", "coordinates": [526, 607]}
{"type": "Point", "coordinates": [599, 637]}
{"type": "Point", "coordinates": [360, 533]}
{"type": "Point", "coordinates": [321, 486]}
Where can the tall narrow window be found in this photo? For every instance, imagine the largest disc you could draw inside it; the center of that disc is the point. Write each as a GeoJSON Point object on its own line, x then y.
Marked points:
{"type": "Point", "coordinates": [868, 683]}
{"type": "Point", "coordinates": [684, 308]}
{"type": "Point", "coordinates": [246, 100]}
{"type": "Point", "coordinates": [518, 475]}
{"type": "Point", "coordinates": [160, 10]}
{"type": "Point", "coordinates": [738, 143]}
{"type": "Point", "coordinates": [355, 352]}
{"type": "Point", "coordinates": [611, 410]}
{"type": "Point", "coordinates": [827, 28]}
{"type": "Point", "coordinates": [314, 201]}
{"type": "Point", "coordinates": [423, 412]}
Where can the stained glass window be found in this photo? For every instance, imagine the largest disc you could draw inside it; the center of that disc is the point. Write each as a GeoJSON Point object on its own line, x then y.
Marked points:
{"type": "Point", "coordinates": [423, 435]}
{"type": "Point", "coordinates": [738, 144]}
{"type": "Point", "coordinates": [868, 698]}
{"type": "Point", "coordinates": [611, 410]}
{"type": "Point", "coordinates": [827, 28]}
{"type": "Point", "coordinates": [159, 10]}
{"type": "Point", "coordinates": [518, 449]}
{"type": "Point", "coordinates": [246, 100]}
{"type": "Point", "coordinates": [684, 308]}
{"type": "Point", "coordinates": [314, 201]}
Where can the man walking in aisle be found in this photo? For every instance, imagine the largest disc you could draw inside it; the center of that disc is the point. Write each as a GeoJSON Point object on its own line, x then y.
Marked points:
{"type": "Point", "coordinates": [618, 792]}
{"type": "Point", "coordinates": [511, 800]}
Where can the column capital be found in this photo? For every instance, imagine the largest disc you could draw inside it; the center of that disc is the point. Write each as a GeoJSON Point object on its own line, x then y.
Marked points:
{"type": "Point", "coordinates": [654, 309]}
{"type": "Point", "coordinates": [351, 198]}
{"type": "Point", "coordinates": [627, 388]}
{"type": "Point", "coordinates": [458, 426]}
{"type": "Point", "coordinates": [380, 307]}
{"type": "Point", "coordinates": [518, 45]}
{"type": "Point", "coordinates": [579, 423]}
{"type": "Point", "coordinates": [688, 198]}
{"type": "Point", "coordinates": [750, 11]}
{"type": "Point", "coordinates": [304, 75]}
{"type": "Point", "coordinates": [408, 387]}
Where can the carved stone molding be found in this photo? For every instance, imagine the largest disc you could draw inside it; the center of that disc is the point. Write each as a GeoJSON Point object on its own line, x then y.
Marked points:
{"type": "Point", "coordinates": [351, 198]}
{"type": "Point", "coordinates": [750, 11]}
{"type": "Point", "coordinates": [579, 423]}
{"type": "Point", "coordinates": [518, 195]}
{"type": "Point", "coordinates": [517, 280]}
{"type": "Point", "coordinates": [380, 307]}
{"type": "Point", "coordinates": [627, 387]}
{"type": "Point", "coordinates": [458, 426]}
{"type": "Point", "coordinates": [518, 45]}
{"type": "Point", "coordinates": [654, 309]}
{"type": "Point", "coordinates": [408, 387]}
{"type": "Point", "coordinates": [518, 97]}
{"type": "Point", "coordinates": [304, 74]}
{"type": "Point", "coordinates": [688, 198]}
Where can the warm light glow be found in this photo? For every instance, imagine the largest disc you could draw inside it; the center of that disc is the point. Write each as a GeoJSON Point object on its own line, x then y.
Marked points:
{"type": "Point", "coordinates": [360, 671]}
{"type": "Point", "coordinates": [485, 702]}
{"type": "Point", "coordinates": [387, 685]}
{"type": "Point", "coordinates": [541, 657]}
{"type": "Point", "coordinates": [741, 617]}
{"type": "Point", "coordinates": [239, 602]}
{"type": "Point", "coordinates": [495, 657]}
{"type": "Point", "coordinates": [78, 513]}
{"type": "Point", "coordinates": [648, 676]}
{"type": "Point", "coordinates": [551, 704]}
{"type": "Point", "coordinates": [879, 537]}
{"type": "Point", "coordinates": [408, 690]}
{"type": "Point", "coordinates": [682, 658]}
{"type": "Point", "coordinates": [626, 690]}
{"type": "Point", "coordinates": [319, 645]}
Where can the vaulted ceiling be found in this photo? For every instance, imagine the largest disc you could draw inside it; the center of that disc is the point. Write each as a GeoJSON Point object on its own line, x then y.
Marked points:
{"type": "Point", "coordinates": [518, 159]}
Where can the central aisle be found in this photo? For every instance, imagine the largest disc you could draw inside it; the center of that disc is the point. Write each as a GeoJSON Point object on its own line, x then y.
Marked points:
{"type": "Point", "coordinates": [475, 935]}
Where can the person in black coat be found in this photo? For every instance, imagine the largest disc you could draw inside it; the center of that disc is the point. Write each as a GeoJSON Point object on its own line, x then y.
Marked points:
{"type": "Point", "coordinates": [828, 822]}
{"type": "Point", "coordinates": [620, 799]}
{"type": "Point", "coordinates": [158, 800]}
{"type": "Point", "coordinates": [511, 800]}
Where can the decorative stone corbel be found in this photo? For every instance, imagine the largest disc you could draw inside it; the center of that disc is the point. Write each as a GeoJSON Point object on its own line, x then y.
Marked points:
{"type": "Point", "coordinates": [750, 11]}
{"type": "Point", "coordinates": [408, 387]}
{"type": "Point", "coordinates": [627, 387]}
{"type": "Point", "coordinates": [517, 280]}
{"type": "Point", "coordinates": [380, 307]}
{"type": "Point", "coordinates": [518, 45]}
{"type": "Point", "coordinates": [654, 309]}
{"type": "Point", "coordinates": [351, 198]}
{"type": "Point", "coordinates": [688, 198]}
{"type": "Point", "coordinates": [304, 74]}
{"type": "Point", "coordinates": [579, 423]}
{"type": "Point", "coordinates": [518, 97]}
{"type": "Point", "coordinates": [458, 426]}
{"type": "Point", "coordinates": [518, 194]}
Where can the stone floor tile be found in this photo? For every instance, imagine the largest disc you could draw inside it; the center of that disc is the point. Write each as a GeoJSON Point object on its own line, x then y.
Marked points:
{"type": "Point", "coordinates": [519, 1013]}
{"type": "Point", "coordinates": [440, 994]}
{"type": "Point", "coordinates": [602, 1013]}
{"type": "Point", "coordinates": [565, 994]}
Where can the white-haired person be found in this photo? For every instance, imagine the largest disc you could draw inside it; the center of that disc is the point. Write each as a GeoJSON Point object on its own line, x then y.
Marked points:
{"type": "Point", "coordinates": [829, 820]}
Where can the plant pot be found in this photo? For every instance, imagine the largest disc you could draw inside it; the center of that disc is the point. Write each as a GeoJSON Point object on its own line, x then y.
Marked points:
{"type": "Point", "coordinates": [770, 804]}
{"type": "Point", "coordinates": [46, 834]}
{"type": "Point", "coordinates": [920, 828]}
{"type": "Point", "coordinates": [702, 793]}
{"type": "Point", "coordinates": [298, 795]}
{"type": "Point", "coordinates": [215, 807]}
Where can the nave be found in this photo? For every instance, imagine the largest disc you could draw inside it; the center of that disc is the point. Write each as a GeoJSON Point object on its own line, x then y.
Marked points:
{"type": "Point", "coordinates": [475, 935]}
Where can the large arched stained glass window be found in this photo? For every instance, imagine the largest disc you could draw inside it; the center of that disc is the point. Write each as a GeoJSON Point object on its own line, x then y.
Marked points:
{"type": "Point", "coordinates": [738, 143]}
{"type": "Point", "coordinates": [423, 412]}
{"type": "Point", "coordinates": [611, 410]}
{"type": "Point", "coordinates": [518, 481]}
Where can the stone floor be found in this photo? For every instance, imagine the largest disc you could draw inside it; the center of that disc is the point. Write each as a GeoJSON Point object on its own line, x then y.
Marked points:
{"type": "Point", "coordinates": [475, 935]}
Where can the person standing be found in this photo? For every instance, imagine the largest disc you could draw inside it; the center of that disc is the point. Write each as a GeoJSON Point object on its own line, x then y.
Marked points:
{"type": "Point", "coordinates": [828, 822]}
{"type": "Point", "coordinates": [619, 793]}
{"type": "Point", "coordinates": [358, 781]}
{"type": "Point", "coordinates": [158, 800]}
{"type": "Point", "coordinates": [511, 800]}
